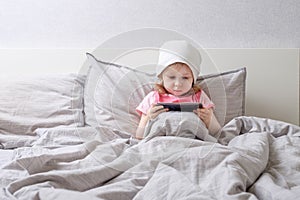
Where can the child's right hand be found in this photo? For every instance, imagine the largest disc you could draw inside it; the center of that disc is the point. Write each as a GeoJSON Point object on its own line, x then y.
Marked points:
{"type": "Point", "coordinates": [155, 110]}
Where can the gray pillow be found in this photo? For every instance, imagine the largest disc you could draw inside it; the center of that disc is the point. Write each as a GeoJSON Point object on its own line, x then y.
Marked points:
{"type": "Point", "coordinates": [112, 93]}
{"type": "Point", "coordinates": [31, 102]}
{"type": "Point", "coordinates": [227, 90]}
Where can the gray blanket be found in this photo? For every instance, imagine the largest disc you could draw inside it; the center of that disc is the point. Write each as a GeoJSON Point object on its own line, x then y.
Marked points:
{"type": "Point", "coordinates": [254, 158]}
{"type": "Point", "coordinates": [180, 124]}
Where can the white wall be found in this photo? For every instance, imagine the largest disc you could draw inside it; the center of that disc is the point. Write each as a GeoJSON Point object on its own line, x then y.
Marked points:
{"type": "Point", "coordinates": [40, 61]}
{"type": "Point", "coordinates": [88, 23]}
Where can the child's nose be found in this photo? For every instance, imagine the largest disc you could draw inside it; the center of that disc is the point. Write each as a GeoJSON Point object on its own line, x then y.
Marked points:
{"type": "Point", "coordinates": [177, 82]}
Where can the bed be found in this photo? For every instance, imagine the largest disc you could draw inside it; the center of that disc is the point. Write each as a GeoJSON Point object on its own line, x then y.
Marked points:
{"type": "Point", "coordinates": [70, 136]}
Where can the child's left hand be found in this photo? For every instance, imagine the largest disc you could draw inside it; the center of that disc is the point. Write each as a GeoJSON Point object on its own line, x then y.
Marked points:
{"type": "Point", "coordinates": [205, 114]}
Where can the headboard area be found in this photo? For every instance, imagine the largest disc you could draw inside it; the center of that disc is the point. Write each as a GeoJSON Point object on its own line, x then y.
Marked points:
{"type": "Point", "coordinates": [272, 86]}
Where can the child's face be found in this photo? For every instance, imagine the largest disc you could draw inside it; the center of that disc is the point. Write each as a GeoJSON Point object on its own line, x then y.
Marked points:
{"type": "Point", "coordinates": [177, 79]}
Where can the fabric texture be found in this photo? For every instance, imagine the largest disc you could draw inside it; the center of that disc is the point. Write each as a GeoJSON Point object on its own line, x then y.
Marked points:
{"type": "Point", "coordinates": [227, 90]}
{"type": "Point", "coordinates": [179, 51]}
{"type": "Point", "coordinates": [112, 93]}
{"type": "Point", "coordinates": [43, 101]}
{"type": "Point", "coordinates": [179, 124]}
{"type": "Point", "coordinates": [256, 158]}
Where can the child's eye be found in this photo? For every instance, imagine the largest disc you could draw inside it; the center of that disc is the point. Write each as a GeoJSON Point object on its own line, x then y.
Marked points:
{"type": "Point", "coordinates": [171, 77]}
{"type": "Point", "coordinates": [185, 77]}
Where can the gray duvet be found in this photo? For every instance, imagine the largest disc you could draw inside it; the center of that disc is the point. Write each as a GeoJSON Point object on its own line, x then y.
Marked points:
{"type": "Point", "coordinates": [252, 158]}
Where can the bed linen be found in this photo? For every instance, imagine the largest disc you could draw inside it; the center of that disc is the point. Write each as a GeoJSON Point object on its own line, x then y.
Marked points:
{"type": "Point", "coordinates": [253, 158]}
{"type": "Point", "coordinates": [79, 146]}
{"type": "Point", "coordinates": [29, 102]}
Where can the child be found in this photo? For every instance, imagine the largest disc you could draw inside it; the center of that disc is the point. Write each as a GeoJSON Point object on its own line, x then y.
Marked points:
{"type": "Point", "coordinates": [178, 68]}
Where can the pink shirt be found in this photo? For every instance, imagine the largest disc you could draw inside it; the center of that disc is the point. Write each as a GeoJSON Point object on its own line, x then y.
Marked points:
{"type": "Point", "coordinates": [154, 97]}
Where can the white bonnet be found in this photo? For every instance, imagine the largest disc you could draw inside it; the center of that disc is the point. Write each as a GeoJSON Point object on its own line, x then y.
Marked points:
{"type": "Point", "coordinates": [179, 51]}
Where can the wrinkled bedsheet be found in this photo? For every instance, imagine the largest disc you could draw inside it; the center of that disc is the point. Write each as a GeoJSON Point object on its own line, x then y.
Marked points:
{"type": "Point", "coordinates": [253, 158]}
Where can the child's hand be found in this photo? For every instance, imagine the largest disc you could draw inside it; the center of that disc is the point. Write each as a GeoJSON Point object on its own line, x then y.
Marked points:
{"type": "Point", "coordinates": [205, 114]}
{"type": "Point", "coordinates": [155, 110]}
